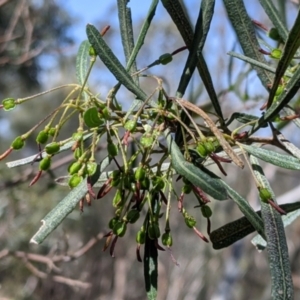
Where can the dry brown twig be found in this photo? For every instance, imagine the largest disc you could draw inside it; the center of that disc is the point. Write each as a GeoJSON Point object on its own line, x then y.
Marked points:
{"type": "Point", "coordinates": [50, 261]}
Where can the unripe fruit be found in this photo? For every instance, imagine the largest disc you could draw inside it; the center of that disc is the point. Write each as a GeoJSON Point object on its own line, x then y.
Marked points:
{"type": "Point", "coordinates": [92, 51]}
{"type": "Point", "coordinates": [130, 125]}
{"type": "Point", "coordinates": [74, 167]}
{"type": "Point", "coordinates": [120, 228]}
{"type": "Point", "coordinates": [202, 150]}
{"type": "Point", "coordinates": [165, 58]}
{"type": "Point", "coordinates": [113, 222]}
{"type": "Point", "coordinates": [91, 168]}
{"type": "Point", "coordinates": [42, 137]}
{"type": "Point", "coordinates": [52, 148]}
{"type": "Point", "coordinates": [139, 174]}
{"type": "Point", "coordinates": [74, 180]}
{"type": "Point", "coordinates": [112, 149]}
{"type": "Point", "coordinates": [18, 143]}
{"type": "Point", "coordinates": [190, 221]}
{"type": "Point", "coordinates": [206, 211]}
{"type": "Point", "coordinates": [167, 239]}
{"type": "Point", "coordinates": [265, 195]}
{"type": "Point", "coordinates": [153, 231]}
{"type": "Point", "coordinates": [147, 140]}
{"type": "Point", "coordinates": [132, 216]}
{"type": "Point", "coordinates": [141, 237]}
{"type": "Point", "coordinates": [45, 163]}
{"type": "Point", "coordinates": [9, 104]}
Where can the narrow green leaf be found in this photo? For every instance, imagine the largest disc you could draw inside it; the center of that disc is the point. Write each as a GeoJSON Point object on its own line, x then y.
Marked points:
{"type": "Point", "coordinates": [274, 158]}
{"type": "Point", "coordinates": [274, 16]}
{"type": "Point", "coordinates": [257, 63]}
{"type": "Point", "coordinates": [201, 30]}
{"type": "Point", "coordinates": [196, 176]}
{"type": "Point", "coordinates": [126, 30]}
{"type": "Point", "coordinates": [176, 12]}
{"type": "Point", "coordinates": [240, 228]}
{"type": "Point", "coordinates": [142, 35]}
{"type": "Point", "coordinates": [62, 209]}
{"type": "Point", "coordinates": [295, 151]}
{"type": "Point", "coordinates": [112, 63]}
{"type": "Point", "coordinates": [150, 268]}
{"type": "Point", "coordinates": [82, 62]}
{"type": "Point", "coordinates": [139, 43]}
{"type": "Point", "coordinates": [260, 243]}
{"type": "Point", "coordinates": [245, 208]}
{"type": "Point", "coordinates": [291, 46]}
{"type": "Point", "coordinates": [242, 118]}
{"type": "Point", "coordinates": [282, 283]}
{"type": "Point", "coordinates": [245, 32]}
{"type": "Point", "coordinates": [283, 99]}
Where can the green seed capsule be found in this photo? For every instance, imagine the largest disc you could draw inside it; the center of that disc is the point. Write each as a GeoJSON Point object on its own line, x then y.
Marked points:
{"type": "Point", "coordinates": [130, 125]}
{"type": "Point", "coordinates": [74, 167]}
{"type": "Point", "coordinates": [274, 34]}
{"type": "Point", "coordinates": [91, 167]}
{"type": "Point", "coordinates": [113, 222]}
{"type": "Point", "coordinates": [147, 141]}
{"type": "Point", "coordinates": [42, 137]}
{"type": "Point", "coordinates": [202, 150]}
{"type": "Point", "coordinates": [141, 237]}
{"type": "Point", "coordinates": [165, 58]}
{"type": "Point", "coordinates": [52, 131]}
{"type": "Point", "coordinates": [45, 163]}
{"type": "Point", "coordinates": [9, 104]}
{"type": "Point", "coordinates": [167, 239]}
{"type": "Point", "coordinates": [187, 188]}
{"type": "Point", "coordinates": [158, 183]}
{"type": "Point", "coordinates": [92, 51]}
{"type": "Point", "coordinates": [276, 53]}
{"type": "Point", "coordinates": [120, 228]}
{"type": "Point", "coordinates": [153, 231]}
{"type": "Point", "coordinates": [145, 184]}
{"type": "Point", "coordinates": [52, 148]}
{"type": "Point", "coordinates": [209, 146]}
{"type": "Point", "coordinates": [18, 143]}
{"type": "Point", "coordinates": [117, 200]}
{"type": "Point", "coordinates": [132, 216]}
{"type": "Point", "coordinates": [77, 153]}
{"type": "Point", "coordinates": [140, 174]}
{"type": "Point", "coordinates": [265, 195]}
{"type": "Point", "coordinates": [112, 149]}
{"type": "Point", "coordinates": [206, 211]}
{"type": "Point", "coordinates": [105, 113]}
{"type": "Point", "coordinates": [77, 136]}
{"type": "Point", "coordinates": [74, 180]}
{"type": "Point", "coordinates": [189, 221]}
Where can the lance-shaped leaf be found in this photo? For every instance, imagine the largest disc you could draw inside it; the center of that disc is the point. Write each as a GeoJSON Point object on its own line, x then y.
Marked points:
{"type": "Point", "coordinates": [112, 62]}
{"type": "Point", "coordinates": [282, 100]}
{"type": "Point", "coordinates": [82, 62]}
{"type": "Point", "coordinates": [176, 12]}
{"type": "Point", "coordinates": [243, 27]}
{"type": "Point", "coordinates": [196, 176]}
{"type": "Point", "coordinates": [67, 205]}
{"type": "Point", "coordinates": [282, 283]}
{"type": "Point", "coordinates": [257, 63]}
{"type": "Point", "coordinates": [240, 228]}
{"type": "Point", "coordinates": [291, 46]}
{"type": "Point", "coordinates": [274, 158]}
{"type": "Point", "coordinates": [274, 16]}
